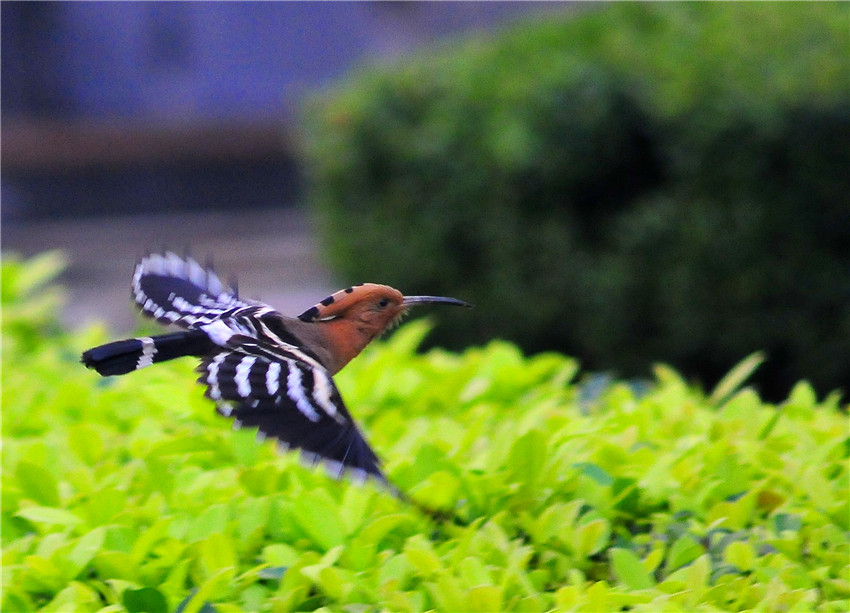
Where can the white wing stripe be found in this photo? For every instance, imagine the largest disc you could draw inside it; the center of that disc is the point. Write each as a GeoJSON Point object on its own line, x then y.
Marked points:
{"type": "Point", "coordinates": [243, 370]}
{"type": "Point", "coordinates": [197, 274]}
{"type": "Point", "coordinates": [218, 331]}
{"type": "Point", "coordinates": [212, 376]}
{"type": "Point", "coordinates": [148, 351]}
{"type": "Point", "coordinates": [322, 388]}
{"type": "Point", "coordinates": [174, 265]}
{"type": "Point", "coordinates": [216, 300]}
{"type": "Point", "coordinates": [273, 378]}
{"type": "Point", "coordinates": [295, 390]}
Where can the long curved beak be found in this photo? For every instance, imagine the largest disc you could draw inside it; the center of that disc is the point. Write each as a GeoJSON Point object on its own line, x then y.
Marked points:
{"type": "Point", "coordinates": [414, 300]}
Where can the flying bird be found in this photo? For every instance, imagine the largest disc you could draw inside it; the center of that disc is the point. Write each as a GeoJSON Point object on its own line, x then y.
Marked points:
{"type": "Point", "coordinates": [261, 368]}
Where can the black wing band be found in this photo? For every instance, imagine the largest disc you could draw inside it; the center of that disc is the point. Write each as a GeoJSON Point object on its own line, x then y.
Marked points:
{"type": "Point", "coordinates": [294, 402]}
{"type": "Point", "coordinates": [178, 290]}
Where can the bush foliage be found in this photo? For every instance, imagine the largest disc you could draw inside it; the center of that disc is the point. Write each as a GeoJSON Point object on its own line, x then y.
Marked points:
{"type": "Point", "coordinates": [633, 183]}
{"type": "Point", "coordinates": [130, 494]}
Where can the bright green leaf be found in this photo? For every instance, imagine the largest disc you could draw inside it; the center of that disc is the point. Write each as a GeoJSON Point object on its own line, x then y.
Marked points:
{"type": "Point", "coordinates": [49, 516]}
{"type": "Point", "coordinates": [86, 548]}
{"type": "Point", "coordinates": [317, 515]}
{"type": "Point", "coordinates": [437, 491]}
{"type": "Point", "coordinates": [526, 458]}
{"type": "Point", "coordinates": [484, 598]}
{"type": "Point", "coordinates": [683, 551]}
{"type": "Point", "coordinates": [85, 441]}
{"type": "Point", "coordinates": [77, 596]}
{"type": "Point", "coordinates": [37, 483]}
{"type": "Point", "coordinates": [628, 569]}
{"type": "Point", "coordinates": [698, 573]}
{"type": "Point", "coordinates": [218, 554]}
{"type": "Point", "coordinates": [592, 537]}
{"type": "Point", "coordinates": [422, 557]}
{"type": "Point", "coordinates": [280, 554]}
{"type": "Point", "coordinates": [740, 555]}
{"type": "Point", "coordinates": [733, 380]}
{"type": "Point", "coordinates": [213, 520]}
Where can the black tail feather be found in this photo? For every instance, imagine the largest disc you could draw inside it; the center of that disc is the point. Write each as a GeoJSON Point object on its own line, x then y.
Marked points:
{"type": "Point", "coordinates": [121, 357]}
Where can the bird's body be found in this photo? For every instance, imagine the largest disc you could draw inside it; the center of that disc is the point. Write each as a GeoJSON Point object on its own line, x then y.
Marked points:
{"type": "Point", "coordinates": [261, 368]}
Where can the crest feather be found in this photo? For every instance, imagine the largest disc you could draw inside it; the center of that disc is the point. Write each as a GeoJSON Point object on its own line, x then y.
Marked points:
{"type": "Point", "coordinates": [339, 301]}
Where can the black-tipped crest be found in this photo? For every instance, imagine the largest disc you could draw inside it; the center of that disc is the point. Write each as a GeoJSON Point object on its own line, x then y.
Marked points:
{"type": "Point", "coordinates": [337, 302]}
{"type": "Point", "coordinates": [311, 314]}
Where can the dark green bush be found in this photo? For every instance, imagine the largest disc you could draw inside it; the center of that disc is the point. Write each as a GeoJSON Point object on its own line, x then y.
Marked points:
{"type": "Point", "coordinates": [634, 183]}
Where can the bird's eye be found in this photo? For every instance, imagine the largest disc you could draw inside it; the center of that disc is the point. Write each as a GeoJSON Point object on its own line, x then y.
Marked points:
{"type": "Point", "coordinates": [383, 302]}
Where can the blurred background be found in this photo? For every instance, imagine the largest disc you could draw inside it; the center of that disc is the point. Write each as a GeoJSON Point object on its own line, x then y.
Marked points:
{"type": "Point", "coordinates": [624, 183]}
{"type": "Point", "coordinates": [137, 126]}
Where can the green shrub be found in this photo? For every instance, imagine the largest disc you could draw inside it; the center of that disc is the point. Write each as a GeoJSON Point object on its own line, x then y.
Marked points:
{"type": "Point", "coordinates": [130, 494]}
{"type": "Point", "coordinates": [632, 183]}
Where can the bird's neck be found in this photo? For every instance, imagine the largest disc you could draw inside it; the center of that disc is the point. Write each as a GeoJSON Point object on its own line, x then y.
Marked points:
{"type": "Point", "coordinates": [344, 341]}
{"type": "Point", "coordinates": [334, 342]}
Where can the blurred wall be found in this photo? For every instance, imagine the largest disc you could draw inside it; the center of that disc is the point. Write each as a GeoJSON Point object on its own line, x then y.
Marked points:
{"type": "Point", "coordinates": [132, 126]}
{"type": "Point", "coordinates": [139, 107]}
{"type": "Point", "coordinates": [168, 60]}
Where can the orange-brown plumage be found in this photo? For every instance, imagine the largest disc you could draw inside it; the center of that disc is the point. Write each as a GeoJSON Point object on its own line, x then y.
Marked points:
{"type": "Point", "coordinates": [350, 319]}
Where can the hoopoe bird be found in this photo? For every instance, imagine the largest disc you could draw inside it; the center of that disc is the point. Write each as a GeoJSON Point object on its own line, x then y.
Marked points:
{"type": "Point", "coordinates": [261, 368]}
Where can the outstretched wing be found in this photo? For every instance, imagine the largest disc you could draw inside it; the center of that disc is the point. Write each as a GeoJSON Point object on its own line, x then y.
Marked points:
{"type": "Point", "coordinates": [256, 372]}
{"type": "Point", "coordinates": [175, 290]}
{"type": "Point", "coordinates": [287, 395]}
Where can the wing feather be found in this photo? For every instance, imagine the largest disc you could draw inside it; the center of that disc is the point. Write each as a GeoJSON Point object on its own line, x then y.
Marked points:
{"type": "Point", "coordinates": [175, 290]}
{"type": "Point", "coordinates": [258, 373]}
{"type": "Point", "coordinates": [278, 396]}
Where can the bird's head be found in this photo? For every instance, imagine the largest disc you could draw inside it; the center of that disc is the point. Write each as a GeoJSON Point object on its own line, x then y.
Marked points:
{"type": "Point", "coordinates": [370, 307]}
{"type": "Point", "coordinates": [351, 318]}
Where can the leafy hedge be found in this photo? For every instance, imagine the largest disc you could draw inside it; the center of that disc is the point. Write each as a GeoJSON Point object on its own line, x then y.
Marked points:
{"type": "Point", "coordinates": [632, 183]}
{"type": "Point", "coordinates": [131, 495]}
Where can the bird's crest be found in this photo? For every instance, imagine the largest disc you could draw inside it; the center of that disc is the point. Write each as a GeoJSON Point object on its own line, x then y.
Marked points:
{"type": "Point", "coordinates": [338, 302]}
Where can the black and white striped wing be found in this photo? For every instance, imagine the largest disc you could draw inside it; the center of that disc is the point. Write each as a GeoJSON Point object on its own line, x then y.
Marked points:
{"type": "Point", "coordinates": [293, 400]}
{"type": "Point", "coordinates": [176, 290]}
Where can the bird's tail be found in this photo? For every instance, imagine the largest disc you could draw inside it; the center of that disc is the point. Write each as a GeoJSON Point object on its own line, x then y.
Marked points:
{"type": "Point", "coordinates": [121, 357]}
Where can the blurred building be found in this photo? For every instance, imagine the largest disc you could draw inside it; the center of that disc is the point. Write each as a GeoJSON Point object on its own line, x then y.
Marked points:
{"type": "Point", "coordinates": [157, 106]}
{"type": "Point", "coordinates": [136, 126]}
